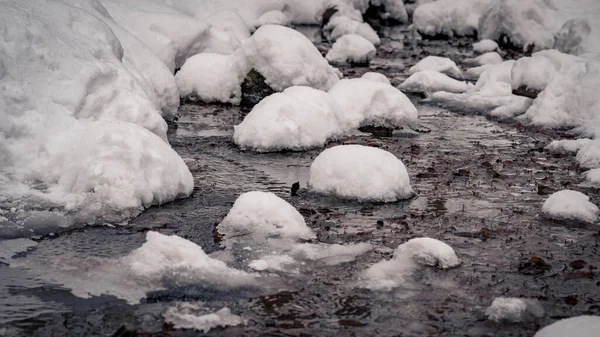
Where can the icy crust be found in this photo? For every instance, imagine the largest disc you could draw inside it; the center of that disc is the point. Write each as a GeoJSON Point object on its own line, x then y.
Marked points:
{"type": "Point", "coordinates": [10, 248]}
{"type": "Point", "coordinates": [262, 215]}
{"type": "Point", "coordinates": [351, 48]}
{"type": "Point", "coordinates": [440, 64]}
{"type": "Point", "coordinates": [510, 309]}
{"type": "Point", "coordinates": [485, 46]}
{"type": "Point", "coordinates": [339, 26]}
{"type": "Point", "coordinates": [430, 81]}
{"type": "Point", "coordinates": [287, 58]}
{"type": "Point", "coordinates": [365, 102]}
{"type": "Point", "coordinates": [570, 205]}
{"type": "Point", "coordinates": [449, 17]}
{"type": "Point", "coordinates": [360, 172]}
{"type": "Point", "coordinates": [195, 316]}
{"type": "Point", "coordinates": [296, 119]}
{"type": "Point", "coordinates": [579, 326]}
{"type": "Point", "coordinates": [387, 275]}
{"type": "Point", "coordinates": [211, 78]}
{"type": "Point", "coordinates": [175, 258]}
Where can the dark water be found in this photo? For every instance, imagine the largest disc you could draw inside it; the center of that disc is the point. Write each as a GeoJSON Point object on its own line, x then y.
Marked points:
{"type": "Point", "coordinates": [478, 186]}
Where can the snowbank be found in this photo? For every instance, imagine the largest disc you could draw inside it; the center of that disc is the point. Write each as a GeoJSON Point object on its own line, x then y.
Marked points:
{"type": "Point", "coordinates": [261, 215]}
{"type": "Point", "coordinates": [570, 205]}
{"type": "Point", "coordinates": [287, 58]}
{"type": "Point", "coordinates": [449, 17]}
{"type": "Point", "coordinates": [580, 326]}
{"type": "Point", "coordinates": [365, 102]}
{"type": "Point", "coordinates": [296, 119]}
{"type": "Point", "coordinates": [211, 78]}
{"type": "Point", "coordinates": [360, 172]}
{"type": "Point", "coordinates": [393, 273]}
{"type": "Point", "coordinates": [351, 48]}
{"type": "Point", "coordinates": [376, 77]}
{"type": "Point", "coordinates": [485, 46]}
{"type": "Point", "coordinates": [430, 81]}
{"type": "Point", "coordinates": [514, 309]}
{"type": "Point", "coordinates": [195, 316]}
{"type": "Point", "coordinates": [440, 64]}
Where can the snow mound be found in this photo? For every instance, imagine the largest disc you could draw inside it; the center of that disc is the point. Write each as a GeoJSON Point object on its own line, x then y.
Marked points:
{"type": "Point", "coordinates": [296, 119]}
{"type": "Point", "coordinates": [262, 215]}
{"type": "Point", "coordinates": [194, 316]}
{"type": "Point", "coordinates": [376, 77]}
{"type": "Point", "coordinates": [287, 58]}
{"type": "Point", "coordinates": [440, 64]}
{"type": "Point", "coordinates": [514, 309]}
{"type": "Point", "coordinates": [575, 37]}
{"type": "Point", "coordinates": [360, 172]}
{"type": "Point", "coordinates": [567, 145]}
{"type": "Point", "coordinates": [211, 78]}
{"type": "Point", "coordinates": [485, 46]}
{"type": "Point", "coordinates": [580, 326]}
{"type": "Point", "coordinates": [539, 70]}
{"type": "Point", "coordinates": [273, 17]}
{"type": "Point", "coordinates": [593, 176]}
{"type": "Point", "coordinates": [449, 17]}
{"type": "Point", "coordinates": [339, 26]}
{"type": "Point", "coordinates": [351, 48]}
{"type": "Point", "coordinates": [429, 81]}
{"type": "Point", "coordinates": [487, 58]}
{"type": "Point", "coordinates": [386, 275]}
{"type": "Point", "coordinates": [570, 205]}
{"type": "Point", "coordinates": [175, 258]}
{"type": "Point", "coordinates": [588, 155]}
{"type": "Point", "coordinates": [365, 102]}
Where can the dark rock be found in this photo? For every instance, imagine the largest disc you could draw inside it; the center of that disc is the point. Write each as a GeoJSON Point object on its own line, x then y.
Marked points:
{"type": "Point", "coordinates": [295, 188]}
{"type": "Point", "coordinates": [377, 131]}
{"type": "Point", "coordinates": [254, 89]}
{"type": "Point", "coordinates": [525, 91]}
{"type": "Point", "coordinates": [329, 12]}
{"type": "Point", "coordinates": [534, 266]}
{"type": "Point", "coordinates": [577, 264]}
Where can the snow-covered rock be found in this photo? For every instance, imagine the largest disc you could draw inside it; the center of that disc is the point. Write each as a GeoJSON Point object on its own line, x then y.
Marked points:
{"type": "Point", "coordinates": [296, 119]}
{"type": "Point", "coordinates": [436, 63]}
{"type": "Point", "coordinates": [365, 102]}
{"type": "Point", "coordinates": [273, 17]}
{"type": "Point", "coordinates": [487, 58]}
{"type": "Point", "coordinates": [579, 326]}
{"type": "Point", "coordinates": [588, 155]}
{"type": "Point", "coordinates": [360, 172]}
{"type": "Point", "coordinates": [393, 273]}
{"type": "Point", "coordinates": [287, 58]}
{"type": "Point", "coordinates": [351, 48]}
{"type": "Point", "coordinates": [376, 77]}
{"type": "Point", "coordinates": [593, 176]}
{"type": "Point", "coordinates": [430, 81]}
{"type": "Point", "coordinates": [485, 46]}
{"type": "Point", "coordinates": [211, 78]}
{"type": "Point", "coordinates": [570, 205]}
{"type": "Point", "coordinates": [510, 309]}
{"type": "Point", "coordinates": [260, 215]}
{"type": "Point", "coordinates": [567, 145]}
{"type": "Point", "coordinates": [339, 26]}
{"type": "Point", "coordinates": [449, 17]}
{"type": "Point", "coordinates": [195, 316]}
{"type": "Point", "coordinates": [394, 9]}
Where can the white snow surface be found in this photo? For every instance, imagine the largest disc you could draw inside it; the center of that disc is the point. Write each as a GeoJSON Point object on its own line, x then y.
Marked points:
{"type": "Point", "coordinates": [539, 70]}
{"type": "Point", "coordinates": [365, 102]}
{"type": "Point", "coordinates": [194, 316]}
{"type": "Point", "coordinates": [510, 309]}
{"type": "Point", "coordinates": [567, 145]}
{"type": "Point", "coordinates": [287, 58]}
{"type": "Point", "coordinates": [211, 78]}
{"type": "Point", "coordinates": [339, 26]}
{"type": "Point", "coordinates": [487, 58]}
{"type": "Point", "coordinates": [261, 215]}
{"type": "Point", "coordinates": [430, 81]}
{"type": "Point", "coordinates": [296, 119]}
{"type": "Point", "coordinates": [449, 17]}
{"type": "Point", "coordinates": [593, 176]}
{"type": "Point", "coordinates": [351, 48]}
{"type": "Point", "coordinates": [273, 17]}
{"type": "Point", "coordinates": [387, 275]}
{"type": "Point", "coordinates": [376, 77]}
{"type": "Point", "coordinates": [579, 326]}
{"type": "Point", "coordinates": [442, 65]}
{"type": "Point", "coordinates": [360, 172]}
{"type": "Point", "coordinates": [570, 205]}
{"type": "Point", "coordinates": [485, 46]}
{"type": "Point", "coordinates": [588, 155]}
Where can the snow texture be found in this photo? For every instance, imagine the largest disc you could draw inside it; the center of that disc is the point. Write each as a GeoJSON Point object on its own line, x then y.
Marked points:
{"type": "Point", "coordinates": [261, 215]}
{"type": "Point", "coordinates": [396, 272]}
{"type": "Point", "coordinates": [376, 77]}
{"type": "Point", "coordinates": [567, 145]}
{"type": "Point", "coordinates": [339, 26]}
{"type": "Point", "coordinates": [360, 172]}
{"type": "Point", "coordinates": [485, 46]}
{"type": "Point", "coordinates": [487, 58]}
{"type": "Point", "coordinates": [351, 48]}
{"type": "Point", "coordinates": [449, 17]}
{"type": "Point", "coordinates": [570, 205]}
{"type": "Point", "coordinates": [430, 81]}
{"type": "Point", "coordinates": [211, 78]}
{"type": "Point", "coordinates": [194, 316]}
{"type": "Point", "coordinates": [588, 155]}
{"type": "Point", "coordinates": [436, 63]}
{"type": "Point", "coordinates": [273, 17]}
{"type": "Point", "coordinates": [287, 58]}
{"type": "Point", "coordinates": [579, 326]}
{"type": "Point", "coordinates": [296, 119]}
{"type": "Point", "coordinates": [514, 310]}
{"type": "Point", "coordinates": [539, 70]}
{"type": "Point", "coordinates": [365, 102]}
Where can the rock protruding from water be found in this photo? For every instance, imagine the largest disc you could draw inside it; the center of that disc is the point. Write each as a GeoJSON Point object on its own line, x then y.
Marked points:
{"type": "Point", "coordinates": [254, 89]}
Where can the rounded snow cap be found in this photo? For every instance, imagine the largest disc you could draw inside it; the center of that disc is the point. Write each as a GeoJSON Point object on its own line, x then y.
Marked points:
{"type": "Point", "coordinates": [360, 172]}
